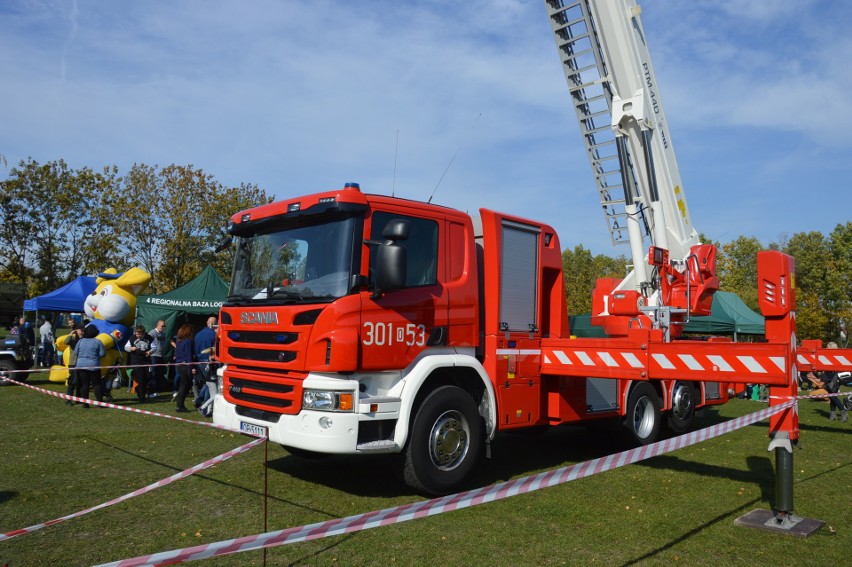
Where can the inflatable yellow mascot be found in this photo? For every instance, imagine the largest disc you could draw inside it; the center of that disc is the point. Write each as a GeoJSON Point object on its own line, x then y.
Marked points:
{"type": "Point", "coordinates": [112, 309]}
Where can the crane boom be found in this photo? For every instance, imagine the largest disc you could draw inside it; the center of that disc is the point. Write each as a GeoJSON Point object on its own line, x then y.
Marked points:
{"type": "Point", "coordinates": [617, 102]}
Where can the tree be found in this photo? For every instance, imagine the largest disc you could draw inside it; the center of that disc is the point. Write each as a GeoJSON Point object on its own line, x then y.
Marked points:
{"type": "Point", "coordinates": [581, 270]}
{"type": "Point", "coordinates": [173, 220]}
{"type": "Point", "coordinates": [736, 267]}
{"type": "Point", "coordinates": [814, 297]}
{"type": "Point", "coordinates": [824, 281]}
{"type": "Point", "coordinates": [839, 281]}
{"type": "Point", "coordinates": [226, 203]}
{"type": "Point", "coordinates": [48, 212]}
{"type": "Point", "coordinates": [58, 223]}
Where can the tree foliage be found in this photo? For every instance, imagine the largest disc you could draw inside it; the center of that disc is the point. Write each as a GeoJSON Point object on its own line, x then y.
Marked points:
{"type": "Point", "coordinates": [823, 265]}
{"type": "Point", "coordinates": [582, 270]}
{"type": "Point", "coordinates": [59, 223]}
{"type": "Point", "coordinates": [736, 266]}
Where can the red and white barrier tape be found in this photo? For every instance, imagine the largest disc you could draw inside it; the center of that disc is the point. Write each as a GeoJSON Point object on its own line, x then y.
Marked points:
{"type": "Point", "coordinates": [108, 367]}
{"type": "Point", "coordinates": [824, 396]}
{"type": "Point", "coordinates": [123, 408]}
{"type": "Point", "coordinates": [399, 514]}
{"type": "Point", "coordinates": [166, 481]}
{"type": "Point", "coordinates": [206, 464]}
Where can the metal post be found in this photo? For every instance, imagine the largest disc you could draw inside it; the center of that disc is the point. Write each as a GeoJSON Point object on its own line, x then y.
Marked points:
{"type": "Point", "coordinates": [783, 480]}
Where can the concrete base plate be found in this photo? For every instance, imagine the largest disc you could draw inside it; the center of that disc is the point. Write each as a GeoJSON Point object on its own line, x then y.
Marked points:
{"type": "Point", "coordinates": [767, 520]}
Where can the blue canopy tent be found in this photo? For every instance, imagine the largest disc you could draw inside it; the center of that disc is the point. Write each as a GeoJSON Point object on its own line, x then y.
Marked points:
{"type": "Point", "coordinates": [67, 298]}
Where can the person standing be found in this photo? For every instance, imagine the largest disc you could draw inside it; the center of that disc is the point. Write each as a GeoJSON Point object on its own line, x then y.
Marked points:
{"type": "Point", "coordinates": [25, 331]}
{"type": "Point", "coordinates": [184, 357]}
{"type": "Point", "coordinates": [831, 383]}
{"type": "Point", "coordinates": [89, 351]}
{"type": "Point", "coordinates": [158, 340]}
{"type": "Point", "coordinates": [204, 341]}
{"type": "Point", "coordinates": [71, 339]}
{"type": "Point", "coordinates": [47, 338]}
{"type": "Point", "coordinates": [204, 345]}
{"type": "Point", "coordinates": [139, 347]}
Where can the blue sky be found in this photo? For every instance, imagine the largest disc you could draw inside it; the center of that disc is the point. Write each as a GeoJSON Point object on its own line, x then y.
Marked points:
{"type": "Point", "coordinates": [299, 97]}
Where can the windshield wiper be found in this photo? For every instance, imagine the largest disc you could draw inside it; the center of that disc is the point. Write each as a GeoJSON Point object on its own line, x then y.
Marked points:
{"type": "Point", "coordinates": [291, 293]}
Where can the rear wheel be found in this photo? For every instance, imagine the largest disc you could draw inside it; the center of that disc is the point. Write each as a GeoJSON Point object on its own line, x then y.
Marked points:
{"type": "Point", "coordinates": [5, 365]}
{"type": "Point", "coordinates": [643, 414]}
{"type": "Point", "coordinates": [445, 442]}
{"type": "Point", "coordinates": [684, 398]}
{"type": "Point", "coordinates": [847, 402]}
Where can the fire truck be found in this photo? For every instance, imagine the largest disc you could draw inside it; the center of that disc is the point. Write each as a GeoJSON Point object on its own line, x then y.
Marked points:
{"type": "Point", "coordinates": [363, 323]}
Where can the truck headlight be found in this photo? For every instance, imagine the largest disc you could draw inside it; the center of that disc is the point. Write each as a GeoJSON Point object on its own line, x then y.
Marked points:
{"type": "Point", "coordinates": [324, 400]}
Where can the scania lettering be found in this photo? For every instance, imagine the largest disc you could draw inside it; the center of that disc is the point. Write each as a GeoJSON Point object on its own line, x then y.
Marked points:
{"type": "Point", "coordinates": [259, 318]}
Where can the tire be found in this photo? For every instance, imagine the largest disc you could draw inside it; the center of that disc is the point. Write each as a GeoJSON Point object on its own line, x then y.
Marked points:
{"type": "Point", "coordinates": [643, 416]}
{"type": "Point", "coordinates": [6, 364]}
{"type": "Point", "coordinates": [446, 440]}
{"type": "Point", "coordinates": [684, 399]}
{"type": "Point", "coordinates": [847, 403]}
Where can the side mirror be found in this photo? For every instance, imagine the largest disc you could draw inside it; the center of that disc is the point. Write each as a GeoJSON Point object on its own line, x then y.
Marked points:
{"type": "Point", "coordinates": [392, 257]}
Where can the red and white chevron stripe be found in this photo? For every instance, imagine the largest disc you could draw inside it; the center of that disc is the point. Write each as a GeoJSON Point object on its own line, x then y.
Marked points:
{"type": "Point", "coordinates": [764, 366]}
{"type": "Point", "coordinates": [823, 360]}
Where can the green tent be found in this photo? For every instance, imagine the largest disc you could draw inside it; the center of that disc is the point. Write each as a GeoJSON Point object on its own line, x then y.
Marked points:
{"type": "Point", "coordinates": [191, 303]}
{"type": "Point", "coordinates": [730, 316]}
{"type": "Point", "coordinates": [581, 326]}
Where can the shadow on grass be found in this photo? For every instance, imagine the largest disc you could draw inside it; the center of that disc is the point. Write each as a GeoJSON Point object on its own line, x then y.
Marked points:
{"type": "Point", "coordinates": [6, 495]}
{"type": "Point", "coordinates": [653, 553]}
{"type": "Point", "coordinates": [518, 453]}
{"type": "Point", "coordinates": [360, 475]}
{"type": "Point", "coordinates": [760, 470]}
{"type": "Point", "coordinates": [201, 475]}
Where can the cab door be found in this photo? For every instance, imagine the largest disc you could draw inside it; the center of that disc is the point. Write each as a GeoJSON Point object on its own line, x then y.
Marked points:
{"type": "Point", "coordinates": [397, 325]}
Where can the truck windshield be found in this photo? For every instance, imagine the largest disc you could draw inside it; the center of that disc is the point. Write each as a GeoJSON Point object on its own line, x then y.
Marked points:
{"type": "Point", "coordinates": [304, 263]}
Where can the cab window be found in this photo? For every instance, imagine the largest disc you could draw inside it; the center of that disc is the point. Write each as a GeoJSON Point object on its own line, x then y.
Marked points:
{"type": "Point", "coordinates": [421, 247]}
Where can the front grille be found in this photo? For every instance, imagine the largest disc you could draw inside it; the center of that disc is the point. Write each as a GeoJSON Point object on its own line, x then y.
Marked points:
{"type": "Point", "coordinates": [263, 392]}
{"type": "Point", "coordinates": [240, 383]}
{"type": "Point", "coordinates": [261, 355]}
{"type": "Point", "coordinates": [263, 338]}
{"type": "Point", "coordinates": [238, 394]}
{"type": "Point", "coordinates": [258, 414]}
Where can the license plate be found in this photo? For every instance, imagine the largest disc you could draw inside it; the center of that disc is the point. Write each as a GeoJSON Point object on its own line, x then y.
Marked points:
{"type": "Point", "coordinates": [252, 429]}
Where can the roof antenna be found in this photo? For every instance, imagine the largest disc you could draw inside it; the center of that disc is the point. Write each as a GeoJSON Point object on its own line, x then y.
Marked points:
{"type": "Point", "coordinates": [395, 156]}
{"type": "Point", "coordinates": [469, 130]}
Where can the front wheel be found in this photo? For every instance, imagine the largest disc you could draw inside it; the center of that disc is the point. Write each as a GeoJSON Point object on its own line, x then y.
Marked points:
{"type": "Point", "coordinates": [643, 414]}
{"type": "Point", "coordinates": [847, 403]}
{"type": "Point", "coordinates": [445, 442]}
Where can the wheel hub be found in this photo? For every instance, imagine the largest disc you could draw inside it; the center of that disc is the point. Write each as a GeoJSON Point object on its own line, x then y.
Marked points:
{"type": "Point", "coordinates": [643, 417]}
{"type": "Point", "coordinates": [449, 440]}
{"type": "Point", "coordinates": [682, 401]}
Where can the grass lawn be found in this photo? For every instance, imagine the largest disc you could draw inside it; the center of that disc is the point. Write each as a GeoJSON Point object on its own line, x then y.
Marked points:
{"type": "Point", "coordinates": [676, 508]}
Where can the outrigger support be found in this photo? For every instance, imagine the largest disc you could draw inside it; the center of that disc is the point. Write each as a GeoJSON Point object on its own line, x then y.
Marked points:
{"type": "Point", "coordinates": [777, 299]}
